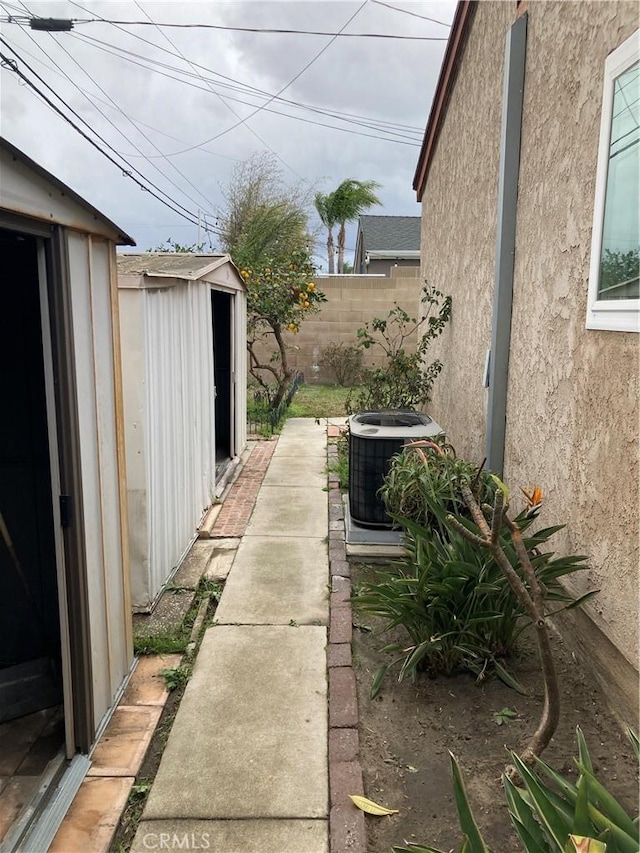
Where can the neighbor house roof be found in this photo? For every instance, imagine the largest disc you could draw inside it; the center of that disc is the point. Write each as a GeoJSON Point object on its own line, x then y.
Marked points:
{"type": "Point", "coordinates": [389, 236]}
{"type": "Point", "coordinates": [450, 63]}
{"type": "Point", "coordinates": [185, 265]}
{"type": "Point", "coordinates": [28, 206]}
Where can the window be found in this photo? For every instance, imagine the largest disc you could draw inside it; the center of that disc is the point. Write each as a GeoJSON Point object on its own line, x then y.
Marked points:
{"type": "Point", "coordinates": [614, 275]}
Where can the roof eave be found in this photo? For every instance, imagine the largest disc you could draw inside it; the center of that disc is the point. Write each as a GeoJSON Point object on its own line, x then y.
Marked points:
{"type": "Point", "coordinates": [457, 38]}
{"type": "Point", "coordinates": [395, 253]}
{"type": "Point", "coordinates": [123, 238]}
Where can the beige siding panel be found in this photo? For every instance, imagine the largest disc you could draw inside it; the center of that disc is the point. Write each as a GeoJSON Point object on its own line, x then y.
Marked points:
{"type": "Point", "coordinates": [136, 419]}
{"type": "Point", "coordinates": [119, 655]}
{"type": "Point", "coordinates": [79, 253]}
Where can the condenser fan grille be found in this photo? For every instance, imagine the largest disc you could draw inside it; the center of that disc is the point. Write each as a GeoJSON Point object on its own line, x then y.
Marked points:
{"type": "Point", "coordinates": [375, 437]}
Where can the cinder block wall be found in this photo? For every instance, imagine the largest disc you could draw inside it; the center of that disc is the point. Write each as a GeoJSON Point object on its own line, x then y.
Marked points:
{"type": "Point", "coordinates": [352, 300]}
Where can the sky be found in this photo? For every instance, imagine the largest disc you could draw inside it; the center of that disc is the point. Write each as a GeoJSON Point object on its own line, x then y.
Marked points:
{"type": "Point", "coordinates": [180, 107]}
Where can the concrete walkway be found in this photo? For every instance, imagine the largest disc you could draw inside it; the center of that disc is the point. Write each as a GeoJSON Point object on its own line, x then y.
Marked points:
{"type": "Point", "coordinates": [245, 767]}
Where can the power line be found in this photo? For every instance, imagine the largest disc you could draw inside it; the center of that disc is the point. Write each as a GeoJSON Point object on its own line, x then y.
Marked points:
{"type": "Point", "coordinates": [407, 12]}
{"type": "Point", "coordinates": [56, 70]}
{"type": "Point", "coordinates": [117, 129]}
{"type": "Point", "coordinates": [18, 19]}
{"type": "Point", "coordinates": [250, 129]}
{"type": "Point", "coordinates": [381, 125]}
{"type": "Point", "coordinates": [172, 204]}
{"type": "Point", "coordinates": [404, 139]}
{"type": "Point", "coordinates": [280, 91]}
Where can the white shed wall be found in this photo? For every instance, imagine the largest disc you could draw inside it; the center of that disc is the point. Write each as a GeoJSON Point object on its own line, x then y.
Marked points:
{"type": "Point", "coordinates": [90, 262]}
{"type": "Point", "coordinates": [181, 447]}
{"type": "Point", "coordinates": [167, 353]}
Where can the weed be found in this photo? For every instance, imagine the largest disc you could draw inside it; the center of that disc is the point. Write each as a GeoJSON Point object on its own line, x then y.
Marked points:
{"type": "Point", "coordinates": [504, 716]}
{"type": "Point", "coordinates": [178, 676]}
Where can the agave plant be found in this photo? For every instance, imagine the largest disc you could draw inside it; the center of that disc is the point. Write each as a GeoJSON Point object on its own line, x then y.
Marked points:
{"type": "Point", "coordinates": [550, 814]}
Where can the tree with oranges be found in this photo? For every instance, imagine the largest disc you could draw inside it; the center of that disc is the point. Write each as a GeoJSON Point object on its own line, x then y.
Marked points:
{"type": "Point", "coordinates": [264, 227]}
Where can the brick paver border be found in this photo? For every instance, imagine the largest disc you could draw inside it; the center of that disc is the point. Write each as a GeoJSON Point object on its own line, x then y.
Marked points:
{"type": "Point", "coordinates": [238, 505]}
{"type": "Point", "coordinates": [346, 822]}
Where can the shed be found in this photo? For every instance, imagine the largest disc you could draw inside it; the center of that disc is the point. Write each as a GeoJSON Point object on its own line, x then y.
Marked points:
{"type": "Point", "coordinates": [65, 613]}
{"type": "Point", "coordinates": [183, 320]}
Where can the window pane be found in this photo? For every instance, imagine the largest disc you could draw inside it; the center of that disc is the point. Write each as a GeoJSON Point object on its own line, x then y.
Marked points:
{"type": "Point", "coordinates": [619, 259]}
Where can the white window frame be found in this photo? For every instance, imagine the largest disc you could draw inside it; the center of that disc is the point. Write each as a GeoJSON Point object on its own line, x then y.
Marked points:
{"type": "Point", "coordinates": [615, 314]}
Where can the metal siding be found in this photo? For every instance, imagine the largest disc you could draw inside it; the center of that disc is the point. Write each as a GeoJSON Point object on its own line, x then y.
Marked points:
{"type": "Point", "coordinates": [181, 447]}
{"type": "Point", "coordinates": [132, 332]}
{"type": "Point", "coordinates": [108, 461]}
{"type": "Point", "coordinates": [78, 248]}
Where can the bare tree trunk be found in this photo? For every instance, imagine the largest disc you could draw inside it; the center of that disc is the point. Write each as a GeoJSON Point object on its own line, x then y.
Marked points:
{"type": "Point", "coordinates": [531, 597]}
{"type": "Point", "coordinates": [285, 371]}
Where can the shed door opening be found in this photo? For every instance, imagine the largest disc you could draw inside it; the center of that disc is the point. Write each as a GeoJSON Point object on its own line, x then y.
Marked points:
{"type": "Point", "coordinates": [29, 614]}
{"type": "Point", "coordinates": [223, 377]}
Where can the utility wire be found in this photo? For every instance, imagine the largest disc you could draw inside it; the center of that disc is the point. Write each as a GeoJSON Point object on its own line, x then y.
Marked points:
{"type": "Point", "coordinates": [404, 138]}
{"type": "Point", "coordinates": [13, 19]}
{"type": "Point", "coordinates": [408, 12]}
{"type": "Point", "coordinates": [244, 120]}
{"type": "Point", "coordinates": [236, 85]}
{"type": "Point", "coordinates": [172, 204]}
{"type": "Point", "coordinates": [250, 129]}
{"type": "Point", "coordinates": [118, 130]}
{"type": "Point", "coordinates": [105, 103]}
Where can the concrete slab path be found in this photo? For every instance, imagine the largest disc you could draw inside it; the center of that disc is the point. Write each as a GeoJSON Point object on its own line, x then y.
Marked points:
{"type": "Point", "coordinates": [246, 768]}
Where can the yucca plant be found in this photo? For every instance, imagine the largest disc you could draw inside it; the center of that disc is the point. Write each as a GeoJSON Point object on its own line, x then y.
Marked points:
{"type": "Point", "coordinates": [454, 601]}
{"type": "Point", "coordinates": [551, 814]}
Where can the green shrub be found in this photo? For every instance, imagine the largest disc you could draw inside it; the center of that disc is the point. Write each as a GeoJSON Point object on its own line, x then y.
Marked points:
{"type": "Point", "coordinates": [344, 361]}
{"type": "Point", "coordinates": [402, 380]}
{"type": "Point", "coordinates": [551, 814]}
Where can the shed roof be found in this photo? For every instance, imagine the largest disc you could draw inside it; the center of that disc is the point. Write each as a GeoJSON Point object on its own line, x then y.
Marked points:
{"type": "Point", "coordinates": [17, 201]}
{"type": "Point", "coordinates": [185, 265]}
{"type": "Point", "coordinates": [390, 233]}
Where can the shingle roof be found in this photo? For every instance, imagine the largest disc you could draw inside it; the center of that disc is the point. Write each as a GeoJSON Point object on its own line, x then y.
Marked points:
{"type": "Point", "coordinates": [390, 233]}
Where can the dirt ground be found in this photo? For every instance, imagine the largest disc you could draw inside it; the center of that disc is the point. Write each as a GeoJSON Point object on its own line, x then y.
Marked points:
{"type": "Point", "coordinates": [408, 729]}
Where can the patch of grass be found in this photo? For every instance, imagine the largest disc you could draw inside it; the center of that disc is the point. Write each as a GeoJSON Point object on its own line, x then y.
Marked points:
{"type": "Point", "coordinates": [319, 401]}
{"type": "Point", "coordinates": [175, 641]}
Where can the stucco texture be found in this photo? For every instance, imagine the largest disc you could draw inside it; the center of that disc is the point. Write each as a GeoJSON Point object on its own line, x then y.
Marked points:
{"type": "Point", "coordinates": [572, 409]}
{"type": "Point", "coordinates": [459, 230]}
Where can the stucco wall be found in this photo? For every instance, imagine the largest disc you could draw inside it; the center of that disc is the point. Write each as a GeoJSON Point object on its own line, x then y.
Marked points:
{"type": "Point", "coordinates": [572, 413]}
{"type": "Point", "coordinates": [459, 230]}
{"type": "Point", "coordinates": [351, 302]}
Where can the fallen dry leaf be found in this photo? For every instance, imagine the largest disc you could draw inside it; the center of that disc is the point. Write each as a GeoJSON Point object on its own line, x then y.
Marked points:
{"type": "Point", "coordinates": [370, 807]}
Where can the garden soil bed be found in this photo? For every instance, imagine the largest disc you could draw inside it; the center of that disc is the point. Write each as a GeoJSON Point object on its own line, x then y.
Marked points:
{"type": "Point", "coordinates": [406, 733]}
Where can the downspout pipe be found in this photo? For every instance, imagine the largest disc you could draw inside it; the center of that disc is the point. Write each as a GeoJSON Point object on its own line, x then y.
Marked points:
{"type": "Point", "coordinates": [510, 138]}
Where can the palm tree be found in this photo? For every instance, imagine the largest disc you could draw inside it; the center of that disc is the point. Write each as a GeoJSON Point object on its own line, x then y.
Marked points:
{"type": "Point", "coordinates": [344, 205]}
{"type": "Point", "coordinates": [325, 205]}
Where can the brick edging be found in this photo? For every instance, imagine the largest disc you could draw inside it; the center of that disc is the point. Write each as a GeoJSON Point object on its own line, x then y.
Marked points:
{"type": "Point", "coordinates": [346, 822]}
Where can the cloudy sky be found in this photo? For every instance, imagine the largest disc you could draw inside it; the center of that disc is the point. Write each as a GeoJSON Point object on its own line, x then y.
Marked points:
{"type": "Point", "coordinates": [179, 107]}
